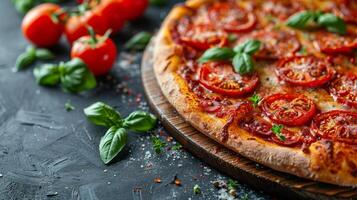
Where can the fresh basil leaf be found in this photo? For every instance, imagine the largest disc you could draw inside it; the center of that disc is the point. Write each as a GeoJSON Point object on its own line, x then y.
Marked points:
{"type": "Point", "coordinates": [44, 54]}
{"type": "Point", "coordinates": [216, 54]}
{"type": "Point", "coordinates": [112, 143]}
{"type": "Point", "coordinates": [75, 77]}
{"type": "Point", "coordinates": [139, 41]}
{"type": "Point", "coordinates": [332, 23]}
{"type": "Point", "coordinates": [243, 63]}
{"type": "Point", "coordinates": [300, 19]}
{"type": "Point", "coordinates": [248, 47]}
{"type": "Point", "coordinates": [158, 2]}
{"type": "Point", "coordinates": [277, 130]}
{"type": "Point", "coordinates": [103, 115]}
{"type": "Point", "coordinates": [140, 121]}
{"type": "Point", "coordinates": [26, 59]}
{"type": "Point", "coordinates": [23, 6]}
{"type": "Point", "coordinates": [47, 74]}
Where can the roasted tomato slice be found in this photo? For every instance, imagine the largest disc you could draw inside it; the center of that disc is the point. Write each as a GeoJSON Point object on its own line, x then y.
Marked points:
{"type": "Point", "coordinates": [331, 43]}
{"type": "Point", "coordinates": [289, 109]}
{"type": "Point", "coordinates": [307, 71]}
{"type": "Point", "coordinates": [231, 17]}
{"type": "Point", "coordinates": [200, 36]}
{"type": "Point", "coordinates": [337, 125]}
{"type": "Point", "coordinates": [344, 89]}
{"type": "Point", "coordinates": [275, 44]}
{"type": "Point", "coordinates": [291, 138]}
{"type": "Point", "coordinates": [346, 9]}
{"type": "Point", "coordinates": [258, 126]}
{"type": "Point", "coordinates": [220, 78]}
{"type": "Point", "coordinates": [281, 9]}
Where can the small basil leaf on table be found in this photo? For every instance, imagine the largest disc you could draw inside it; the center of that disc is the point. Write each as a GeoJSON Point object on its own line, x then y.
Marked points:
{"type": "Point", "coordinates": [23, 6]}
{"type": "Point", "coordinates": [139, 41]}
{"type": "Point", "coordinates": [112, 143]}
{"type": "Point", "coordinates": [75, 77]}
{"type": "Point", "coordinates": [217, 54]}
{"type": "Point", "coordinates": [248, 47]}
{"type": "Point", "coordinates": [26, 59]}
{"type": "Point", "coordinates": [243, 63]}
{"type": "Point", "coordinates": [332, 23]}
{"type": "Point", "coordinates": [47, 74]}
{"type": "Point", "coordinates": [140, 121]}
{"type": "Point", "coordinates": [44, 54]}
{"type": "Point", "coordinates": [103, 115]}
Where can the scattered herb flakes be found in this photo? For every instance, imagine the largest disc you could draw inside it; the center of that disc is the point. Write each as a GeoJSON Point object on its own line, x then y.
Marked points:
{"type": "Point", "coordinates": [232, 184]}
{"type": "Point", "coordinates": [68, 106]}
{"type": "Point", "coordinates": [277, 131]}
{"type": "Point", "coordinates": [157, 180]}
{"type": "Point", "coordinates": [255, 99]}
{"type": "Point", "coordinates": [158, 145]}
{"type": "Point", "coordinates": [196, 189]}
{"type": "Point", "coordinates": [232, 38]}
{"type": "Point", "coordinates": [245, 197]}
{"type": "Point", "coordinates": [303, 50]}
{"type": "Point", "coordinates": [177, 147]}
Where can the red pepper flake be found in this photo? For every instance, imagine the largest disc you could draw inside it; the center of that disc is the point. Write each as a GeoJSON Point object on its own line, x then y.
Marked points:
{"type": "Point", "coordinates": [157, 180]}
{"type": "Point", "coordinates": [176, 181]}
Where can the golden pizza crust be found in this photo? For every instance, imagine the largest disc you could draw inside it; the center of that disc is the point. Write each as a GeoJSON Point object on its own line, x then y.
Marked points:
{"type": "Point", "coordinates": [326, 162]}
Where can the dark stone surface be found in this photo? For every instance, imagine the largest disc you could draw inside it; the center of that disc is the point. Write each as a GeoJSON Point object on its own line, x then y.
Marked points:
{"type": "Point", "coordinates": [49, 153]}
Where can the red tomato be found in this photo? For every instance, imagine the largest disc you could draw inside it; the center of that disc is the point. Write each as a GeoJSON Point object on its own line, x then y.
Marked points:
{"type": "Point", "coordinates": [112, 11]}
{"type": "Point", "coordinates": [307, 71]}
{"type": "Point", "coordinates": [337, 125]}
{"type": "Point", "coordinates": [220, 78]}
{"type": "Point", "coordinates": [133, 9]}
{"type": "Point", "coordinates": [291, 138]}
{"type": "Point", "coordinates": [99, 55]}
{"type": "Point", "coordinates": [344, 89]}
{"type": "Point", "coordinates": [201, 36]}
{"type": "Point", "coordinates": [275, 44]}
{"type": "Point", "coordinates": [231, 17]}
{"type": "Point", "coordinates": [281, 9]}
{"type": "Point", "coordinates": [77, 26]}
{"type": "Point", "coordinates": [289, 109]}
{"type": "Point", "coordinates": [331, 43]}
{"type": "Point", "coordinates": [41, 27]}
{"type": "Point", "coordinates": [258, 126]}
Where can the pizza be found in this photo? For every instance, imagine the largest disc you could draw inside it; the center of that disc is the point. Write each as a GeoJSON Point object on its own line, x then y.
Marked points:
{"type": "Point", "coordinates": [273, 80]}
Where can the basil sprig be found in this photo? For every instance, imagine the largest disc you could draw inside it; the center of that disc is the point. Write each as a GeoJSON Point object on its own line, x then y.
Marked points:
{"type": "Point", "coordinates": [116, 137]}
{"type": "Point", "coordinates": [31, 55]}
{"type": "Point", "coordinates": [241, 55]}
{"type": "Point", "coordinates": [138, 41]}
{"type": "Point", "coordinates": [73, 76]}
{"type": "Point", "coordinates": [277, 130]}
{"type": "Point", "coordinates": [330, 21]}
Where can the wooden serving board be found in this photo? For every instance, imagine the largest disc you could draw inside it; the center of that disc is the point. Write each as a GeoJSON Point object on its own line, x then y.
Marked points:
{"type": "Point", "coordinates": [274, 182]}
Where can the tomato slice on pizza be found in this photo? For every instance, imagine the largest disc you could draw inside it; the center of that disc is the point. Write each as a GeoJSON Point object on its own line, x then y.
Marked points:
{"type": "Point", "coordinates": [231, 17]}
{"type": "Point", "coordinates": [307, 71]}
{"type": "Point", "coordinates": [275, 44]}
{"type": "Point", "coordinates": [331, 43]}
{"type": "Point", "coordinates": [282, 9]}
{"type": "Point", "coordinates": [289, 109]}
{"type": "Point", "coordinates": [344, 89]}
{"type": "Point", "coordinates": [346, 9]}
{"type": "Point", "coordinates": [337, 125]}
{"type": "Point", "coordinates": [199, 36]}
{"type": "Point", "coordinates": [220, 78]}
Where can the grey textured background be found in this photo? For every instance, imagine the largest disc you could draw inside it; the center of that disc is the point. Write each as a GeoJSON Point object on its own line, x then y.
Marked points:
{"type": "Point", "coordinates": [48, 153]}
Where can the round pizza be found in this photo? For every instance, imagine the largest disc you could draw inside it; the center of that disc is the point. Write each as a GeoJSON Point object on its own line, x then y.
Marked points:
{"type": "Point", "coordinates": [273, 80]}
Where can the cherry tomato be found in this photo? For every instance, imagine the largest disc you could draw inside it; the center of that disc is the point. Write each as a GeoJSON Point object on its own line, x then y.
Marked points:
{"type": "Point", "coordinates": [344, 89]}
{"type": "Point", "coordinates": [307, 71]}
{"type": "Point", "coordinates": [331, 43]}
{"type": "Point", "coordinates": [337, 125]}
{"type": "Point", "coordinates": [275, 44]}
{"type": "Point", "coordinates": [99, 54]}
{"type": "Point", "coordinates": [42, 25]}
{"type": "Point", "coordinates": [77, 25]}
{"type": "Point", "coordinates": [281, 9]}
{"type": "Point", "coordinates": [133, 9]}
{"type": "Point", "coordinates": [111, 10]}
{"type": "Point", "coordinates": [201, 36]}
{"type": "Point", "coordinates": [220, 78]}
{"type": "Point", "coordinates": [289, 109]}
{"type": "Point", "coordinates": [231, 17]}
{"type": "Point", "coordinates": [258, 126]}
